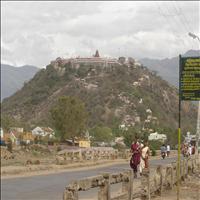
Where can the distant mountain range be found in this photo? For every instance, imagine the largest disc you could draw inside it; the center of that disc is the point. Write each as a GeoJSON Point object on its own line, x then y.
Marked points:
{"type": "Point", "coordinates": [13, 78]}
{"type": "Point", "coordinates": [167, 68]}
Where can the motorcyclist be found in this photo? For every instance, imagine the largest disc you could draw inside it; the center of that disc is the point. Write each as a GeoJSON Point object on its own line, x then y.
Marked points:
{"type": "Point", "coordinates": [163, 151]}
{"type": "Point", "coordinates": [168, 150]}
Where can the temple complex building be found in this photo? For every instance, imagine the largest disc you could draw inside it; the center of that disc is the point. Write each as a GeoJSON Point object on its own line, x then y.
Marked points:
{"type": "Point", "coordinates": [95, 60]}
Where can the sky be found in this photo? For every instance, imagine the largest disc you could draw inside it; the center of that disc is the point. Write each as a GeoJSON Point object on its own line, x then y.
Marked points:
{"type": "Point", "coordinates": [36, 33]}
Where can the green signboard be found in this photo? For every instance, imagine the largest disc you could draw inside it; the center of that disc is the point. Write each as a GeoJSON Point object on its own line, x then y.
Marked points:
{"type": "Point", "coordinates": [189, 79]}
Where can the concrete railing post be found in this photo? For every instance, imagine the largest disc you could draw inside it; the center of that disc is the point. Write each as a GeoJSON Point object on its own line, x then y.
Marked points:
{"type": "Point", "coordinates": [193, 164]}
{"type": "Point", "coordinates": [169, 177]}
{"type": "Point", "coordinates": [145, 183]}
{"type": "Point", "coordinates": [184, 169]}
{"type": "Point", "coordinates": [181, 170]}
{"type": "Point", "coordinates": [161, 179]}
{"type": "Point", "coordinates": [104, 189]}
{"type": "Point", "coordinates": [80, 155]}
{"type": "Point", "coordinates": [172, 178]}
{"type": "Point", "coordinates": [127, 184]}
{"type": "Point", "coordinates": [70, 193]}
{"type": "Point", "coordinates": [158, 180]}
{"type": "Point", "coordinates": [174, 170]}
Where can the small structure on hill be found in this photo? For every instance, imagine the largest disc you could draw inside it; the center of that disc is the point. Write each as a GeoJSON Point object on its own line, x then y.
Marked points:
{"type": "Point", "coordinates": [43, 131]}
{"type": "Point", "coordinates": [85, 140]}
{"type": "Point", "coordinates": [158, 137]}
{"type": "Point", "coordinates": [120, 141]}
{"type": "Point", "coordinates": [1, 132]}
{"type": "Point", "coordinates": [84, 143]}
{"type": "Point", "coordinates": [122, 60]}
{"type": "Point", "coordinates": [17, 129]}
{"type": "Point", "coordinates": [189, 138]}
{"type": "Point", "coordinates": [97, 54]}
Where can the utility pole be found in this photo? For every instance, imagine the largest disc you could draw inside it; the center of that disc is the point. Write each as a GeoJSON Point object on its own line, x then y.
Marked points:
{"type": "Point", "coordinates": [198, 116]}
{"type": "Point", "coordinates": [198, 129]}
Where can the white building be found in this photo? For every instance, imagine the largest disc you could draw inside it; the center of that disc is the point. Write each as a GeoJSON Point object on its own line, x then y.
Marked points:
{"type": "Point", "coordinates": [123, 127]}
{"type": "Point", "coordinates": [43, 131]}
{"type": "Point", "coordinates": [189, 137]}
{"type": "Point", "coordinates": [1, 131]}
{"type": "Point", "coordinates": [156, 136]}
{"type": "Point", "coordinates": [120, 140]}
{"type": "Point", "coordinates": [17, 129]}
{"type": "Point", "coordinates": [148, 111]}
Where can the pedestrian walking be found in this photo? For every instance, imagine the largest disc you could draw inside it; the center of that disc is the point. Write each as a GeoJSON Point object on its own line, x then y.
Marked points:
{"type": "Point", "coordinates": [190, 150]}
{"type": "Point", "coordinates": [193, 149]}
{"type": "Point", "coordinates": [144, 159]}
{"type": "Point", "coordinates": [135, 159]}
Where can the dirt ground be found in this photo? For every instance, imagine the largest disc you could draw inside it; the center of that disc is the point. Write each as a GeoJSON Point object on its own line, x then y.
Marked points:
{"type": "Point", "coordinates": [38, 160]}
{"type": "Point", "coordinates": [189, 190]}
{"type": "Point", "coordinates": [21, 156]}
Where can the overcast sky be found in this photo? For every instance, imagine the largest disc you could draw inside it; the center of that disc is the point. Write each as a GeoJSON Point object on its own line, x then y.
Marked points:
{"type": "Point", "coordinates": [35, 33]}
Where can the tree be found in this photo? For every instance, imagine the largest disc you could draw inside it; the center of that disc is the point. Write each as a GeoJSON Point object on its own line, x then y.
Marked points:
{"type": "Point", "coordinates": [7, 122]}
{"type": "Point", "coordinates": [131, 134]}
{"type": "Point", "coordinates": [69, 117]}
{"type": "Point", "coordinates": [101, 134]}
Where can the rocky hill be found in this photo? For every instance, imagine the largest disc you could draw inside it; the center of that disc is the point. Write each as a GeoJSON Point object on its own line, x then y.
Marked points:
{"type": "Point", "coordinates": [120, 94]}
{"type": "Point", "coordinates": [13, 78]}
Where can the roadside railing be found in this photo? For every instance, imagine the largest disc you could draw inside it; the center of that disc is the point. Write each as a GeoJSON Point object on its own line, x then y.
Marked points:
{"type": "Point", "coordinates": [94, 154]}
{"type": "Point", "coordinates": [103, 182]}
{"type": "Point", "coordinates": [91, 154]}
{"type": "Point", "coordinates": [151, 183]}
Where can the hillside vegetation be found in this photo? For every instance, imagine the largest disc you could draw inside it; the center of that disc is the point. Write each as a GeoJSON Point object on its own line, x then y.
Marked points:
{"type": "Point", "coordinates": [125, 95]}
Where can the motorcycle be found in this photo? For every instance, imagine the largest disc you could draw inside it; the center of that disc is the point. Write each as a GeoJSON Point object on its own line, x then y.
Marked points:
{"type": "Point", "coordinates": [163, 154]}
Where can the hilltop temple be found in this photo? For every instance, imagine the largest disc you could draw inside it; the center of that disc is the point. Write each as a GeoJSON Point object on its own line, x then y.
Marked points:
{"type": "Point", "coordinates": [95, 59]}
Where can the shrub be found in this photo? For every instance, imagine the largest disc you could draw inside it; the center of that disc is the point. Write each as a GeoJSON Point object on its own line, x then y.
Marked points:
{"type": "Point", "coordinates": [153, 152]}
{"type": "Point", "coordinates": [155, 145]}
{"type": "Point", "coordinates": [10, 146]}
{"type": "Point", "coordinates": [119, 147]}
{"type": "Point", "coordinates": [58, 148]}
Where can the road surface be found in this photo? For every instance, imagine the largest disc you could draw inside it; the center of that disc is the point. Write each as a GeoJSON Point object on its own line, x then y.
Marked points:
{"type": "Point", "coordinates": [51, 186]}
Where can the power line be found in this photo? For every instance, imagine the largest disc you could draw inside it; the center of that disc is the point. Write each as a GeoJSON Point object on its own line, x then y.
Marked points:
{"type": "Point", "coordinates": [168, 16]}
{"type": "Point", "coordinates": [165, 16]}
{"type": "Point", "coordinates": [180, 14]}
{"type": "Point", "coordinates": [184, 20]}
{"type": "Point", "coordinates": [181, 19]}
{"type": "Point", "coordinates": [179, 9]}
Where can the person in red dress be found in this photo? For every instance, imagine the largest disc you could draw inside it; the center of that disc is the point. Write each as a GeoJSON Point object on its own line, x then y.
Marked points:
{"type": "Point", "coordinates": [135, 159]}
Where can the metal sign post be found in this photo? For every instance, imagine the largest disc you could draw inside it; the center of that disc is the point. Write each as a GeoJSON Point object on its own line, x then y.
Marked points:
{"type": "Point", "coordinates": [189, 90]}
{"type": "Point", "coordinates": [179, 132]}
{"type": "Point", "coordinates": [198, 130]}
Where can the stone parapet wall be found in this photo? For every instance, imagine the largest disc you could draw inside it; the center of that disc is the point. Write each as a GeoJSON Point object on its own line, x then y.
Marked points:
{"type": "Point", "coordinates": [103, 182]}
{"type": "Point", "coordinates": [151, 183]}
{"type": "Point", "coordinates": [166, 178]}
{"type": "Point", "coordinates": [90, 154]}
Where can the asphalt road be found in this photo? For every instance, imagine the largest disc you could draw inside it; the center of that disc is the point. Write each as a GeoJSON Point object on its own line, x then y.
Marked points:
{"type": "Point", "coordinates": [51, 187]}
